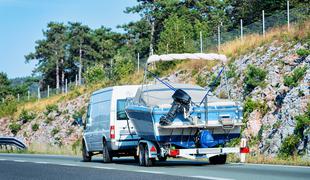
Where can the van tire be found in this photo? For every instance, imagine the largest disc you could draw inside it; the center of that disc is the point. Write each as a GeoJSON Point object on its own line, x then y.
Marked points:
{"type": "Point", "coordinates": [141, 155]}
{"type": "Point", "coordinates": [148, 161]}
{"type": "Point", "coordinates": [106, 154]}
{"type": "Point", "coordinates": [85, 154]}
{"type": "Point", "coordinates": [219, 159]}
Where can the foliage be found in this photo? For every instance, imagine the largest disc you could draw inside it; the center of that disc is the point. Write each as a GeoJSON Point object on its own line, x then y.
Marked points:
{"type": "Point", "coordinates": [4, 85]}
{"type": "Point", "coordinates": [26, 116]}
{"type": "Point", "coordinates": [177, 37]}
{"type": "Point", "coordinates": [9, 107]}
{"type": "Point", "coordinates": [288, 146]}
{"type": "Point", "coordinates": [254, 76]}
{"type": "Point", "coordinates": [79, 114]}
{"type": "Point", "coordinates": [15, 127]}
{"type": "Point", "coordinates": [231, 73]}
{"type": "Point", "coordinates": [55, 131]}
{"type": "Point", "coordinates": [35, 127]}
{"type": "Point", "coordinates": [214, 82]}
{"type": "Point", "coordinates": [201, 80]}
{"type": "Point", "coordinates": [302, 122]}
{"type": "Point", "coordinates": [250, 106]}
{"type": "Point", "coordinates": [293, 79]}
{"type": "Point", "coordinates": [303, 52]}
{"type": "Point", "coordinates": [124, 66]}
{"type": "Point", "coordinates": [50, 108]}
{"type": "Point", "coordinates": [94, 74]}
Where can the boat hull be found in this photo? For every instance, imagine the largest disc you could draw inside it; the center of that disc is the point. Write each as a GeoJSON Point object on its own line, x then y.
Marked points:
{"type": "Point", "coordinates": [181, 132]}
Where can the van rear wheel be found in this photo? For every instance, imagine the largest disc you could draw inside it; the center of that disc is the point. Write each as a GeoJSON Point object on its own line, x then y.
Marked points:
{"type": "Point", "coordinates": [106, 154]}
{"type": "Point", "coordinates": [85, 154]}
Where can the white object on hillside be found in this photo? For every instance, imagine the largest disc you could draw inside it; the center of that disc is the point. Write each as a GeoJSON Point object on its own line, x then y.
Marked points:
{"type": "Point", "coordinates": [187, 56]}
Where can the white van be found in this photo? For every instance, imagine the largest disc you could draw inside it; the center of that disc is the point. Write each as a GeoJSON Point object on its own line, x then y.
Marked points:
{"type": "Point", "coordinates": [106, 129]}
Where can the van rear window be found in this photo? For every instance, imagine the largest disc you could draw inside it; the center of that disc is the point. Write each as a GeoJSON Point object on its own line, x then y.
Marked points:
{"type": "Point", "coordinates": [121, 114]}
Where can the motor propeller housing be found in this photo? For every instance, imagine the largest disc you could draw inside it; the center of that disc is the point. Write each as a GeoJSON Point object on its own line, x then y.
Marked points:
{"type": "Point", "coordinates": [181, 103]}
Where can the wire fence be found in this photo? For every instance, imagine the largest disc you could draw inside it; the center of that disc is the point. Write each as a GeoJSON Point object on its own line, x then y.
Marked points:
{"type": "Point", "coordinates": [279, 18]}
{"type": "Point", "coordinates": [39, 93]}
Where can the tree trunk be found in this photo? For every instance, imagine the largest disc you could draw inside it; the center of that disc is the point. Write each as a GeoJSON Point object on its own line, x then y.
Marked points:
{"type": "Point", "coordinates": [57, 72]}
{"type": "Point", "coordinates": [80, 67]}
{"type": "Point", "coordinates": [62, 76]}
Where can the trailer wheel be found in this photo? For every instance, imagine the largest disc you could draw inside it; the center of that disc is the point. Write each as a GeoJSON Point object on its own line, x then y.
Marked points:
{"type": "Point", "coordinates": [141, 155]}
{"type": "Point", "coordinates": [85, 154]}
{"type": "Point", "coordinates": [148, 161]}
{"type": "Point", "coordinates": [219, 159]}
{"type": "Point", "coordinates": [106, 154]}
{"type": "Point", "coordinates": [162, 159]}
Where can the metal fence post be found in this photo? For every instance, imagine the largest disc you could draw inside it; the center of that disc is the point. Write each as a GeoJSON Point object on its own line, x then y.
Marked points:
{"type": "Point", "coordinates": [200, 33]}
{"type": "Point", "coordinates": [218, 38]}
{"type": "Point", "coordinates": [66, 86]}
{"type": "Point", "coordinates": [263, 22]}
{"type": "Point", "coordinates": [138, 62]}
{"type": "Point", "coordinates": [48, 91]}
{"type": "Point", "coordinates": [39, 94]}
{"type": "Point", "coordinates": [288, 15]}
{"type": "Point", "coordinates": [241, 29]}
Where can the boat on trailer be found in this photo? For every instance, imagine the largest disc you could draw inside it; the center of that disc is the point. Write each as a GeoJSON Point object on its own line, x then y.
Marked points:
{"type": "Point", "coordinates": [183, 120]}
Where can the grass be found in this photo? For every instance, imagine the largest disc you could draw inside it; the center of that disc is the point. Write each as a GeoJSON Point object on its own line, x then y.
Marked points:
{"type": "Point", "coordinates": [238, 47]}
{"type": "Point", "coordinates": [41, 148]}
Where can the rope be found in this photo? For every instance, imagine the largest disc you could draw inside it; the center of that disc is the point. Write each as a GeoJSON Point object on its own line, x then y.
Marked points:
{"type": "Point", "coordinates": [212, 84]}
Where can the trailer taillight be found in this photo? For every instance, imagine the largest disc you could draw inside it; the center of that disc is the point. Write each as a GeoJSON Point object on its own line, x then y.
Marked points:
{"type": "Point", "coordinates": [112, 132]}
{"type": "Point", "coordinates": [174, 152]}
{"type": "Point", "coordinates": [153, 149]}
{"type": "Point", "coordinates": [245, 150]}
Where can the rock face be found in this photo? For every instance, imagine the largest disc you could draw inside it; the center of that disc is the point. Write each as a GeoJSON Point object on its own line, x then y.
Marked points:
{"type": "Point", "coordinates": [55, 128]}
{"type": "Point", "coordinates": [283, 103]}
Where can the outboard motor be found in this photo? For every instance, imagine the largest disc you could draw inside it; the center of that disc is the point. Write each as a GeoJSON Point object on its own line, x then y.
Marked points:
{"type": "Point", "coordinates": [180, 104]}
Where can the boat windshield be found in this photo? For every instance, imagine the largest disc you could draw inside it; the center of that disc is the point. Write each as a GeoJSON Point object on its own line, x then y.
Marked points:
{"type": "Point", "coordinates": [157, 95]}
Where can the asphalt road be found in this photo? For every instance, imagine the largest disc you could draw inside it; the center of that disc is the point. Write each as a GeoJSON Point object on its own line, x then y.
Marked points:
{"type": "Point", "coordinates": [28, 166]}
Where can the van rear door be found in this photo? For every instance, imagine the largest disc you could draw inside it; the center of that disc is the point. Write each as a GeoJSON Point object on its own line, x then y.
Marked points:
{"type": "Point", "coordinates": [123, 122]}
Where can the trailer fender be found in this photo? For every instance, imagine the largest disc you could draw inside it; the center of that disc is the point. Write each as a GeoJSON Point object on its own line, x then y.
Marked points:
{"type": "Point", "coordinates": [151, 148]}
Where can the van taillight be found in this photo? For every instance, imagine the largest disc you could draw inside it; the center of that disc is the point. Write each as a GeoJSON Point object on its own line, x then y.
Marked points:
{"type": "Point", "coordinates": [112, 132]}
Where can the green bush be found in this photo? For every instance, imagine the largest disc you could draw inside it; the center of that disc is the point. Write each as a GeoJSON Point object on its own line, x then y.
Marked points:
{"type": "Point", "coordinates": [293, 79]}
{"type": "Point", "coordinates": [214, 82]}
{"type": "Point", "coordinates": [201, 80]}
{"type": "Point", "coordinates": [26, 116]}
{"type": "Point", "coordinates": [94, 74]}
{"type": "Point", "coordinates": [15, 127]}
{"type": "Point", "coordinates": [50, 108]}
{"type": "Point", "coordinates": [8, 108]}
{"type": "Point", "coordinates": [35, 127]}
{"type": "Point", "coordinates": [48, 120]}
{"type": "Point", "coordinates": [254, 77]}
{"type": "Point", "coordinates": [231, 73]}
{"type": "Point", "coordinates": [55, 131]}
{"type": "Point", "coordinates": [79, 114]}
{"type": "Point", "coordinates": [250, 106]}
{"type": "Point", "coordinates": [303, 52]}
{"type": "Point", "coordinates": [289, 146]}
{"type": "Point", "coordinates": [302, 122]}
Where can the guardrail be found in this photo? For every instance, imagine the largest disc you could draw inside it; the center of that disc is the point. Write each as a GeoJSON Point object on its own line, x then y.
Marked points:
{"type": "Point", "coordinates": [12, 141]}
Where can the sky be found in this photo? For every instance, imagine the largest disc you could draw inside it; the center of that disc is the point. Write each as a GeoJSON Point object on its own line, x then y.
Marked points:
{"type": "Point", "coordinates": [22, 22]}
